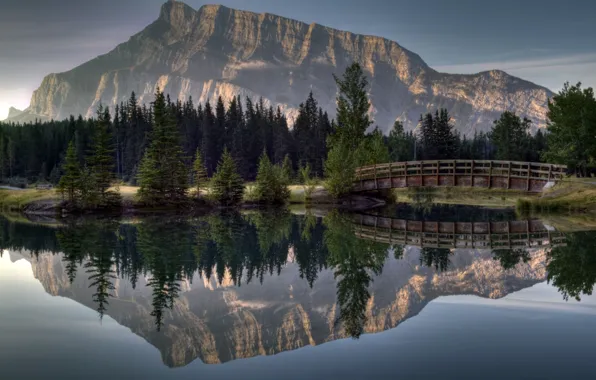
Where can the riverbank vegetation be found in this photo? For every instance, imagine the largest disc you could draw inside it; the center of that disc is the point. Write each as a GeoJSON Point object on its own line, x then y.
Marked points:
{"type": "Point", "coordinates": [182, 156]}
{"type": "Point", "coordinates": [568, 196]}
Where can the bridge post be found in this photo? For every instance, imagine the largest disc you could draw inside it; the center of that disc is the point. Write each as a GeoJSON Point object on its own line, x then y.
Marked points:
{"type": "Point", "coordinates": [376, 181]}
{"type": "Point", "coordinates": [509, 175]}
{"type": "Point", "coordinates": [509, 234]}
{"type": "Point", "coordinates": [528, 233]}
{"type": "Point", "coordinates": [529, 174]}
{"type": "Point", "coordinates": [550, 170]}
{"type": "Point", "coordinates": [490, 175]}
{"type": "Point", "coordinates": [472, 173]}
{"type": "Point", "coordinates": [390, 176]}
{"type": "Point", "coordinates": [406, 173]}
{"type": "Point", "coordinates": [437, 173]}
{"type": "Point", "coordinates": [490, 241]}
{"type": "Point", "coordinates": [454, 179]}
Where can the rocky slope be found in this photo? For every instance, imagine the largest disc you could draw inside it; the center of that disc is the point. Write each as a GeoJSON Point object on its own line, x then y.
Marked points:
{"type": "Point", "coordinates": [14, 113]}
{"type": "Point", "coordinates": [219, 323]}
{"type": "Point", "coordinates": [218, 51]}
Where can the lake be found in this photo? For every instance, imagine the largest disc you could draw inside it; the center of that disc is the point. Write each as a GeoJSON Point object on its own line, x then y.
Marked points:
{"type": "Point", "coordinates": [446, 292]}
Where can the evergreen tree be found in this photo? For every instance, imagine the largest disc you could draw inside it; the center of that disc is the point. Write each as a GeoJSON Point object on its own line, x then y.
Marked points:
{"type": "Point", "coordinates": [69, 183]}
{"type": "Point", "coordinates": [272, 182]}
{"type": "Point", "coordinates": [353, 121]}
{"type": "Point", "coordinates": [373, 149]}
{"type": "Point", "coordinates": [287, 170]}
{"type": "Point", "coordinates": [162, 174]}
{"type": "Point", "coordinates": [227, 185]}
{"type": "Point", "coordinates": [200, 174]}
{"type": "Point", "coordinates": [209, 142]}
{"type": "Point", "coordinates": [438, 138]}
{"type": "Point", "coordinates": [510, 137]}
{"type": "Point", "coordinates": [571, 128]}
{"type": "Point", "coordinates": [101, 161]}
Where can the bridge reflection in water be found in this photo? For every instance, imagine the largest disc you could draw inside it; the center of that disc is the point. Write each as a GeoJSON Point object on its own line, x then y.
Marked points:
{"type": "Point", "coordinates": [513, 234]}
{"type": "Point", "coordinates": [522, 176]}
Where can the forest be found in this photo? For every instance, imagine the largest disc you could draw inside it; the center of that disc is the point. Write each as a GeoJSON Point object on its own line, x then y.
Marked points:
{"type": "Point", "coordinates": [36, 151]}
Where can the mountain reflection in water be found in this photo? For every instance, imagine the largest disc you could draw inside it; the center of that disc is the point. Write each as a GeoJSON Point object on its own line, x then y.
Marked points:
{"type": "Point", "coordinates": [230, 286]}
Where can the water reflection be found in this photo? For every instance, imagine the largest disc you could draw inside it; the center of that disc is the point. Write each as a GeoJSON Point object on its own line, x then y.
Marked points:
{"type": "Point", "coordinates": [223, 285]}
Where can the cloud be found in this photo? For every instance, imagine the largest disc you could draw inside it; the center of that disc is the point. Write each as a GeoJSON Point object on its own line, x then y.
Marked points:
{"type": "Point", "coordinates": [551, 72]}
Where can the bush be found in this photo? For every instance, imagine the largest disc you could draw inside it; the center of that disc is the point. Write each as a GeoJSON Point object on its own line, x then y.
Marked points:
{"type": "Point", "coordinates": [340, 170]}
{"type": "Point", "coordinates": [227, 185]}
{"type": "Point", "coordinates": [308, 183]}
{"type": "Point", "coordinates": [272, 182]}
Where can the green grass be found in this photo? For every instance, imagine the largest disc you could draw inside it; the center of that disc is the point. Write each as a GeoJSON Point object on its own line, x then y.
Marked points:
{"type": "Point", "coordinates": [17, 200]}
{"type": "Point", "coordinates": [472, 196]}
{"type": "Point", "coordinates": [569, 196]}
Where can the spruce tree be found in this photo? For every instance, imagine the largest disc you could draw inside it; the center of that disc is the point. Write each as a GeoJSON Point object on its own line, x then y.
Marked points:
{"type": "Point", "coordinates": [162, 174]}
{"type": "Point", "coordinates": [352, 117]}
{"type": "Point", "coordinates": [227, 185]}
{"type": "Point", "coordinates": [69, 183]}
{"type": "Point", "coordinates": [286, 169]}
{"type": "Point", "coordinates": [200, 174]}
{"type": "Point", "coordinates": [101, 161]}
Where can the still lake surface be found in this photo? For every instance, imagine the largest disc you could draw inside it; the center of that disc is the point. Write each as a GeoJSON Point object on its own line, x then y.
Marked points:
{"type": "Point", "coordinates": [433, 292]}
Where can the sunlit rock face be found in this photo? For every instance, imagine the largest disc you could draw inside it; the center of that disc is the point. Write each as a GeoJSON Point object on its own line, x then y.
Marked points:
{"type": "Point", "coordinates": [217, 51]}
{"type": "Point", "coordinates": [219, 322]}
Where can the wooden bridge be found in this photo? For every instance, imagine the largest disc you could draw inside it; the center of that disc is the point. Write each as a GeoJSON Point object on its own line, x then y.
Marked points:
{"type": "Point", "coordinates": [523, 176]}
{"type": "Point", "coordinates": [516, 234]}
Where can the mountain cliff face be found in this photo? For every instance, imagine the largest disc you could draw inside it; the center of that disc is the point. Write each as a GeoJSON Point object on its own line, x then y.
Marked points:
{"type": "Point", "coordinates": [217, 51]}
{"type": "Point", "coordinates": [219, 323]}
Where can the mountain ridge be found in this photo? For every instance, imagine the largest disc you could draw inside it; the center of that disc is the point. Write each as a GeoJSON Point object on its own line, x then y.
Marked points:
{"type": "Point", "coordinates": [220, 51]}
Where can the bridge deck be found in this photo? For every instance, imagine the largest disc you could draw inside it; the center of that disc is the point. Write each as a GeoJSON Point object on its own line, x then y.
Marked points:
{"type": "Point", "coordinates": [524, 176]}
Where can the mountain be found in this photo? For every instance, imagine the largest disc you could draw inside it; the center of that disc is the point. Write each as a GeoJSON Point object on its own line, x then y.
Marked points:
{"type": "Point", "coordinates": [219, 323]}
{"type": "Point", "coordinates": [13, 113]}
{"type": "Point", "coordinates": [218, 51]}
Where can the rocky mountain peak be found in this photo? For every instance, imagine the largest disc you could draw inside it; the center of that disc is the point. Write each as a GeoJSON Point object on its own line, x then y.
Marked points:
{"type": "Point", "coordinates": [13, 112]}
{"type": "Point", "coordinates": [218, 51]}
{"type": "Point", "coordinates": [175, 11]}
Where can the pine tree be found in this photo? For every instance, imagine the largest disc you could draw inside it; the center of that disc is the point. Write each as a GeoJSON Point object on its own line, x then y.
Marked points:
{"type": "Point", "coordinates": [162, 174]}
{"type": "Point", "coordinates": [101, 161]}
{"type": "Point", "coordinates": [209, 142]}
{"type": "Point", "coordinates": [227, 185]}
{"type": "Point", "coordinates": [286, 169]}
{"type": "Point", "coordinates": [353, 121]}
{"type": "Point", "coordinates": [200, 174]}
{"type": "Point", "coordinates": [69, 183]}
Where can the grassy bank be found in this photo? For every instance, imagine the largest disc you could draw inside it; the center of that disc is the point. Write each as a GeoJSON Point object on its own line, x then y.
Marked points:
{"type": "Point", "coordinates": [48, 200]}
{"type": "Point", "coordinates": [570, 196]}
{"type": "Point", "coordinates": [472, 196]}
{"type": "Point", "coordinates": [19, 200]}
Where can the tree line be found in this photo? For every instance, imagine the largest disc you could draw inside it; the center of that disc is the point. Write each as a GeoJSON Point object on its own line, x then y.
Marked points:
{"type": "Point", "coordinates": [156, 145]}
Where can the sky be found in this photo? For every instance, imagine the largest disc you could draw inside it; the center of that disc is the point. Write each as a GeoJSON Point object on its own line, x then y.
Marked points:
{"type": "Point", "coordinates": [547, 42]}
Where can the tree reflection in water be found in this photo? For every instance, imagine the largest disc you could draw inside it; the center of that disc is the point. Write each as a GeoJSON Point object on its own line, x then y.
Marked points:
{"type": "Point", "coordinates": [241, 248]}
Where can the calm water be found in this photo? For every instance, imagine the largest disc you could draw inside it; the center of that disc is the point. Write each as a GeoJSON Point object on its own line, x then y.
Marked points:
{"type": "Point", "coordinates": [277, 295]}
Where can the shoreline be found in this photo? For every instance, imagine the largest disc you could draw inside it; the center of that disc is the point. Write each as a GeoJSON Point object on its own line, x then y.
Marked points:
{"type": "Point", "coordinates": [570, 197]}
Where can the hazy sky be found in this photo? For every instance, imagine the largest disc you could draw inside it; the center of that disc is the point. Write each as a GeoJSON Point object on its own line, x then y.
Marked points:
{"type": "Point", "coordinates": [544, 41]}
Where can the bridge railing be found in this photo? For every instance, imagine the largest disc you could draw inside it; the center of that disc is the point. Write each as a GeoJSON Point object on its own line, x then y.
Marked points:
{"type": "Point", "coordinates": [435, 234]}
{"type": "Point", "coordinates": [509, 169]}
